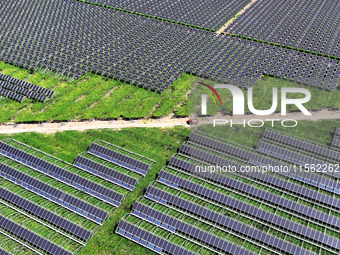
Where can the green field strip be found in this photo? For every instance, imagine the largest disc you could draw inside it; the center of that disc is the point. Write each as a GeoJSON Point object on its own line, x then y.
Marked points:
{"type": "Point", "coordinates": [188, 196]}
{"type": "Point", "coordinates": [39, 229]}
{"type": "Point", "coordinates": [282, 46]}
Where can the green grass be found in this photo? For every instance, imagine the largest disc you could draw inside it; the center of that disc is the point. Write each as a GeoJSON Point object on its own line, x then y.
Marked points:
{"type": "Point", "coordinates": [157, 144]}
{"type": "Point", "coordinates": [96, 97]}
{"type": "Point", "coordinates": [92, 97]}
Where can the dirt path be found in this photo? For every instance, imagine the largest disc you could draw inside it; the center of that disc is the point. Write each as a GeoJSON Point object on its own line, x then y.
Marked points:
{"type": "Point", "coordinates": [166, 122]}
{"type": "Point", "coordinates": [233, 19]}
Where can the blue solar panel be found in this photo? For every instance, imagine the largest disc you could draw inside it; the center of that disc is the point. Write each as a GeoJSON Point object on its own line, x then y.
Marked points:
{"type": "Point", "coordinates": [45, 215]}
{"type": "Point", "coordinates": [216, 219]}
{"type": "Point", "coordinates": [150, 240]}
{"type": "Point", "coordinates": [63, 175]}
{"type": "Point", "coordinates": [256, 159]}
{"type": "Point", "coordinates": [252, 211]}
{"type": "Point", "coordinates": [119, 159]}
{"type": "Point", "coordinates": [32, 238]}
{"type": "Point", "coordinates": [52, 194]}
{"type": "Point", "coordinates": [105, 172]}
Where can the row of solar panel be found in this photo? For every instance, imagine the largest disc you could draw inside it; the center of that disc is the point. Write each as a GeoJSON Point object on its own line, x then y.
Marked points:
{"type": "Point", "coordinates": [292, 24]}
{"type": "Point", "coordinates": [261, 195]}
{"type": "Point", "coordinates": [45, 215]}
{"type": "Point", "coordinates": [20, 90]}
{"type": "Point", "coordinates": [268, 179]}
{"type": "Point", "coordinates": [177, 49]}
{"type": "Point", "coordinates": [27, 85]}
{"type": "Point", "coordinates": [286, 226]}
{"type": "Point", "coordinates": [220, 220]}
{"type": "Point", "coordinates": [174, 225]}
{"type": "Point", "coordinates": [336, 139]}
{"type": "Point", "coordinates": [30, 237]}
{"type": "Point", "coordinates": [119, 158]}
{"type": "Point", "coordinates": [105, 172]}
{"type": "Point", "coordinates": [242, 207]}
{"type": "Point", "coordinates": [309, 147]}
{"type": "Point", "coordinates": [53, 194]}
{"type": "Point", "coordinates": [67, 177]}
{"type": "Point", "coordinates": [151, 241]}
{"type": "Point", "coordinates": [256, 159]}
{"type": "Point", "coordinates": [296, 158]}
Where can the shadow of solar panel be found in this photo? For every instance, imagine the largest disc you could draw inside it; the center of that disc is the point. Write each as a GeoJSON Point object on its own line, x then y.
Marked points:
{"type": "Point", "coordinates": [32, 238]}
{"type": "Point", "coordinates": [45, 215]}
{"type": "Point", "coordinates": [55, 195]}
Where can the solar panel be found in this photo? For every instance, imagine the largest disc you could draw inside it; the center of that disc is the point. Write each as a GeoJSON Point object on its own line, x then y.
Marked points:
{"type": "Point", "coordinates": [313, 148]}
{"type": "Point", "coordinates": [55, 195]}
{"type": "Point", "coordinates": [259, 214]}
{"type": "Point", "coordinates": [336, 143]}
{"type": "Point", "coordinates": [12, 95]}
{"type": "Point", "coordinates": [105, 172]}
{"type": "Point", "coordinates": [292, 24]}
{"type": "Point", "coordinates": [2, 252]}
{"type": "Point", "coordinates": [139, 39]}
{"type": "Point", "coordinates": [295, 157]}
{"type": "Point", "coordinates": [337, 132]}
{"type": "Point", "coordinates": [119, 158]}
{"type": "Point", "coordinates": [174, 225]}
{"type": "Point", "coordinates": [45, 215]}
{"type": "Point", "coordinates": [151, 241]}
{"type": "Point", "coordinates": [256, 159]}
{"type": "Point", "coordinates": [253, 192]}
{"type": "Point", "coordinates": [62, 175]}
{"type": "Point", "coordinates": [32, 238]}
{"type": "Point", "coordinates": [22, 91]}
{"type": "Point", "coordinates": [225, 222]}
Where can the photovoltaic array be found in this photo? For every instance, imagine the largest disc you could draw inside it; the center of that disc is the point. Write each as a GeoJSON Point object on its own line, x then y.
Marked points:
{"type": "Point", "coordinates": [63, 204]}
{"type": "Point", "coordinates": [71, 38]}
{"type": "Point", "coordinates": [238, 212]}
{"type": "Point", "coordinates": [210, 14]}
{"type": "Point", "coordinates": [313, 26]}
{"type": "Point", "coordinates": [20, 90]}
{"type": "Point", "coordinates": [336, 139]}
